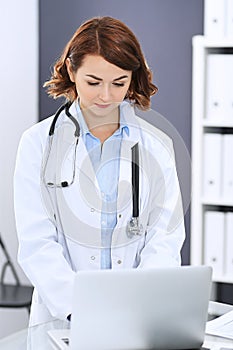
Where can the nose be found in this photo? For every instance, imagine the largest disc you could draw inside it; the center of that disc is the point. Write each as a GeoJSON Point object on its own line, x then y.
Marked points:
{"type": "Point", "coordinates": [105, 93]}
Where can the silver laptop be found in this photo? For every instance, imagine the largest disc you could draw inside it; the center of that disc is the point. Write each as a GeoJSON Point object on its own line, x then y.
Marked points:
{"type": "Point", "coordinates": [138, 309]}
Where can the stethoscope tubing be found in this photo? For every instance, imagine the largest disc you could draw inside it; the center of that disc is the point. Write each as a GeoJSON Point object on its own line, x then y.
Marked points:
{"type": "Point", "coordinates": [135, 180]}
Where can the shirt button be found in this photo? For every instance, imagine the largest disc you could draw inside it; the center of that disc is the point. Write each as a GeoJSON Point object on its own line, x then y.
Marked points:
{"type": "Point", "coordinates": [119, 262]}
{"type": "Point", "coordinates": [92, 210]}
{"type": "Point", "coordinates": [119, 216]}
{"type": "Point", "coordinates": [92, 257]}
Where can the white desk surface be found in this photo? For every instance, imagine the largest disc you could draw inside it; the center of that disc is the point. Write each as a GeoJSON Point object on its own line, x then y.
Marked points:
{"type": "Point", "coordinates": [39, 337]}
{"type": "Point", "coordinates": [18, 341]}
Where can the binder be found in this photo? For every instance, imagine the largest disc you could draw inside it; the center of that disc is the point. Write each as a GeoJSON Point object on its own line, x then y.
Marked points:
{"type": "Point", "coordinates": [228, 88]}
{"type": "Point", "coordinates": [229, 18]}
{"type": "Point", "coordinates": [219, 87]}
{"type": "Point", "coordinates": [214, 18]}
{"type": "Point", "coordinates": [228, 167]}
{"type": "Point", "coordinates": [229, 244]}
{"type": "Point", "coordinates": [212, 159]}
{"type": "Point", "coordinates": [214, 241]}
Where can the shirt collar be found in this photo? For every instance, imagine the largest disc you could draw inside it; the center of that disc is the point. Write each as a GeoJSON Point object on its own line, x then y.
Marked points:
{"type": "Point", "coordinates": [84, 128]}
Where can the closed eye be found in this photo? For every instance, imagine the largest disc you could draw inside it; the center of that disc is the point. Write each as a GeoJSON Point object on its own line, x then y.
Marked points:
{"type": "Point", "coordinates": [119, 84]}
{"type": "Point", "coordinates": [97, 83]}
{"type": "Point", "coordinates": [92, 83]}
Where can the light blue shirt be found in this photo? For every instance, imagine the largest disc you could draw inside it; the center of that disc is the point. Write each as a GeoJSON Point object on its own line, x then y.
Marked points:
{"type": "Point", "coordinates": [105, 159]}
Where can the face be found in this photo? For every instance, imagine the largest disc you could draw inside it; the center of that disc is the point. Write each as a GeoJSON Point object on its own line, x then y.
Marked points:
{"type": "Point", "coordinates": [101, 86]}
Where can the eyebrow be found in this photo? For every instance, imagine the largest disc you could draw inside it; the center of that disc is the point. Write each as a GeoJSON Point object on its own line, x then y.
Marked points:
{"type": "Point", "coordinates": [99, 79]}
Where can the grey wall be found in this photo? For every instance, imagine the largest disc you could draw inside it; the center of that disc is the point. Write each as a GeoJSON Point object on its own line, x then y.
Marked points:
{"type": "Point", "coordinates": [164, 28]}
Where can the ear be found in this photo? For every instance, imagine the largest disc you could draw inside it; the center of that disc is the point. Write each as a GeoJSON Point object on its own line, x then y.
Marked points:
{"type": "Point", "coordinates": [69, 70]}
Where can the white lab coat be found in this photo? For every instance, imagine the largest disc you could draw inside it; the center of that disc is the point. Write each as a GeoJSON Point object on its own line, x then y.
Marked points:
{"type": "Point", "coordinates": [42, 254]}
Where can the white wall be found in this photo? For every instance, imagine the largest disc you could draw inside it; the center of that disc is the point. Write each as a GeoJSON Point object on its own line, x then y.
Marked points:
{"type": "Point", "coordinates": [19, 110]}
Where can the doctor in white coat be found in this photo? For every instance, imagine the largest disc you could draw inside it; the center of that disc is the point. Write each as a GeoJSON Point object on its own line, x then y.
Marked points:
{"type": "Point", "coordinates": [85, 224]}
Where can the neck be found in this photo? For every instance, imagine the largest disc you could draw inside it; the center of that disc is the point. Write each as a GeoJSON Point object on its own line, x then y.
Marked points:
{"type": "Point", "coordinates": [102, 127]}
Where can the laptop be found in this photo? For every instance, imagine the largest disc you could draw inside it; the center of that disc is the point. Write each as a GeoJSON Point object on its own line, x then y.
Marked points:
{"type": "Point", "coordinates": [138, 309]}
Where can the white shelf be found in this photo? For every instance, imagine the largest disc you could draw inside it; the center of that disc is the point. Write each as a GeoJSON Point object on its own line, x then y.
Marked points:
{"type": "Point", "coordinates": [217, 202]}
{"type": "Point", "coordinates": [202, 47]}
{"type": "Point", "coordinates": [223, 279]}
{"type": "Point", "coordinates": [211, 43]}
{"type": "Point", "coordinates": [217, 124]}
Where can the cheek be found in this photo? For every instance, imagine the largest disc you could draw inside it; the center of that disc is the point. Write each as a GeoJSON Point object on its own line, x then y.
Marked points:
{"type": "Point", "coordinates": [85, 93]}
{"type": "Point", "coordinates": [122, 93]}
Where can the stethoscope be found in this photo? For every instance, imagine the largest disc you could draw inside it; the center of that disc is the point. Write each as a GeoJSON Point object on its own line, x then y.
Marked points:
{"type": "Point", "coordinates": [134, 228]}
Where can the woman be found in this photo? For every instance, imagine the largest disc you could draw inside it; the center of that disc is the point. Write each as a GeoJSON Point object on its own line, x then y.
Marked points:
{"type": "Point", "coordinates": [73, 195]}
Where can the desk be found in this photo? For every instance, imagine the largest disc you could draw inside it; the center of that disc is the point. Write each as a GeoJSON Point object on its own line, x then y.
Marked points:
{"type": "Point", "coordinates": [39, 338]}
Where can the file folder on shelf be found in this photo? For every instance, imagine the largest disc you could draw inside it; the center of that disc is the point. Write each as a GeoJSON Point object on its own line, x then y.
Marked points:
{"type": "Point", "coordinates": [228, 88]}
{"type": "Point", "coordinates": [218, 18]}
{"type": "Point", "coordinates": [227, 178]}
{"type": "Point", "coordinates": [212, 159]}
{"type": "Point", "coordinates": [214, 241]}
{"type": "Point", "coordinates": [229, 18]}
{"type": "Point", "coordinates": [229, 244]}
{"type": "Point", "coordinates": [214, 18]}
{"type": "Point", "coordinates": [219, 87]}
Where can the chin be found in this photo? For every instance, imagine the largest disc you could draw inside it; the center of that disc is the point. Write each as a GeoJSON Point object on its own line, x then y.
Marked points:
{"type": "Point", "coordinates": [103, 110]}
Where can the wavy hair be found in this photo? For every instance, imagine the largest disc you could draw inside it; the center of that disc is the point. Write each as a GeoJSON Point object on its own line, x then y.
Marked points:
{"type": "Point", "coordinates": [116, 43]}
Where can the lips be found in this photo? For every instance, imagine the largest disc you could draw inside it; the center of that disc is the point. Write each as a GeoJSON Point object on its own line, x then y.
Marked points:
{"type": "Point", "coordinates": [102, 106]}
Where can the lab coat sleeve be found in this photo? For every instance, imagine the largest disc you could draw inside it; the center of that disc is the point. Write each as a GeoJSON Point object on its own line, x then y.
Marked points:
{"type": "Point", "coordinates": [165, 232]}
{"type": "Point", "coordinates": [40, 255]}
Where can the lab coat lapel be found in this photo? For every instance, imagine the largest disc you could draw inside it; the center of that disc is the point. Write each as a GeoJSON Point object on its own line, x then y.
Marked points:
{"type": "Point", "coordinates": [84, 166]}
{"type": "Point", "coordinates": [82, 201]}
{"type": "Point", "coordinates": [125, 175]}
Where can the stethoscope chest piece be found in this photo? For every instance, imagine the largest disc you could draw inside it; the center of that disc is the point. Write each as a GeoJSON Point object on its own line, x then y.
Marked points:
{"type": "Point", "coordinates": [134, 228]}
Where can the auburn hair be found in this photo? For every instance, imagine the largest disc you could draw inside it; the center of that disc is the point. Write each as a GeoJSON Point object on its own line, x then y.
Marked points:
{"type": "Point", "coordinates": [116, 43]}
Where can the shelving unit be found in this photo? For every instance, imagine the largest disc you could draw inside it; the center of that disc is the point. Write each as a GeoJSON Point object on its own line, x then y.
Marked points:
{"type": "Point", "coordinates": [201, 125]}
